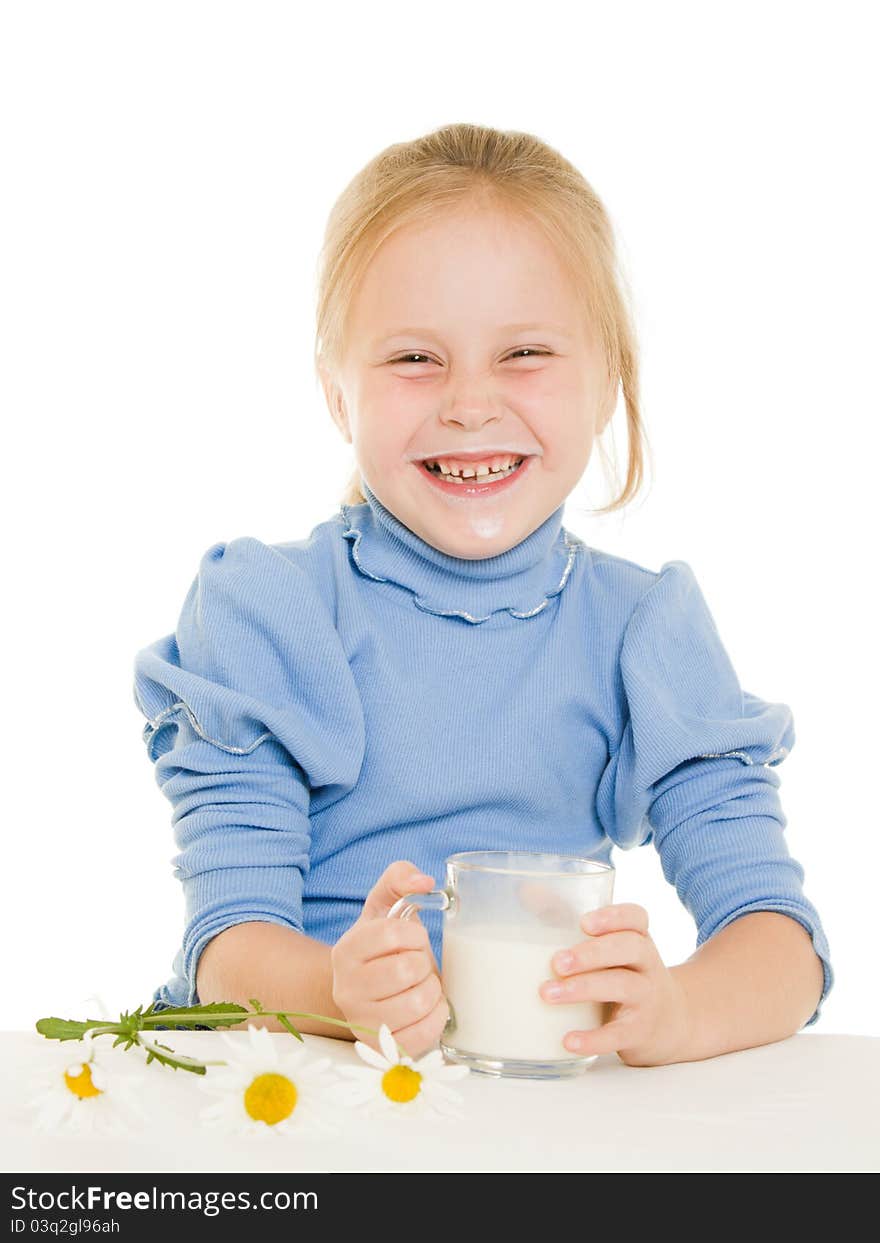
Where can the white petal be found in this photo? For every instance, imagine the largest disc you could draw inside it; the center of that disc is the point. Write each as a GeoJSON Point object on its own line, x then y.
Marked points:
{"type": "Point", "coordinates": [430, 1062]}
{"type": "Point", "coordinates": [36, 1101]}
{"type": "Point", "coordinates": [296, 1065]}
{"type": "Point", "coordinates": [361, 1072]}
{"type": "Point", "coordinates": [228, 1040]}
{"type": "Point", "coordinates": [351, 1093]}
{"type": "Point", "coordinates": [213, 1085]}
{"type": "Point", "coordinates": [55, 1110]}
{"type": "Point", "coordinates": [80, 1121]}
{"type": "Point", "coordinates": [301, 1051]}
{"type": "Point", "coordinates": [260, 1037]}
{"type": "Point", "coordinates": [74, 1070]}
{"type": "Point", "coordinates": [437, 1092]}
{"type": "Point", "coordinates": [317, 1066]}
{"type": "Point", "coordinates": [217, 1077]}
{"type": "Point", "coordinates": [450, 1073]}
{"type": "Point", "coordinates": [388, 1044]}
{"type": "Point", "coordinates": [375, 1059]}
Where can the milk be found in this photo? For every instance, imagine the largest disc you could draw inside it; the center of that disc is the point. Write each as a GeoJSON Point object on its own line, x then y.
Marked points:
{"type": "Point", "coordinates": [491, 974]}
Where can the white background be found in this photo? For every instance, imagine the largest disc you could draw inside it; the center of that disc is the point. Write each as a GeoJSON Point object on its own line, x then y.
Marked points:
{"type": "Point", "coordinates": [168, 170]}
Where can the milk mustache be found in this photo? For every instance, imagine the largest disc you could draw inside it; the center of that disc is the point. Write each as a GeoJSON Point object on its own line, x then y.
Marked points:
{"type": "Point", "coordinates": [491, 975]}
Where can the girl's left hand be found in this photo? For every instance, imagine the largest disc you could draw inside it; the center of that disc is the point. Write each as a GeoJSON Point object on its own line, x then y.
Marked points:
{"type": "Point", "coordinates": [619, 963]}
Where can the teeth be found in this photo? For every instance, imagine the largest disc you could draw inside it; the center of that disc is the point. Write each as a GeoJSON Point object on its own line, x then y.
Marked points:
{"type": "Point", "coordinates": [481, 471]}
{"type": "Point", "coordinates": [470, 470]}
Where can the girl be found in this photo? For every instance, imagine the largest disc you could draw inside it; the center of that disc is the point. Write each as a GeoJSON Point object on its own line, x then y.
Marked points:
{"type": "Point", "coordinates": [441, 666]}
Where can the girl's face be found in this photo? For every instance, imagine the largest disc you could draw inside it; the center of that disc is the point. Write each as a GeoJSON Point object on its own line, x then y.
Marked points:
{"type": "Point", "coordinates": [466, 336]}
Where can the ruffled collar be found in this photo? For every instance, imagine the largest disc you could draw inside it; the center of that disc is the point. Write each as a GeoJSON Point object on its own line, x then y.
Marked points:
{"type": "Point", "coordinates": [521, 580]}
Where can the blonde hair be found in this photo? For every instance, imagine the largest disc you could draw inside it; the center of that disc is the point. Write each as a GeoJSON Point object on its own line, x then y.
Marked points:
{"type": "Point", "coordinates": [410, 181]}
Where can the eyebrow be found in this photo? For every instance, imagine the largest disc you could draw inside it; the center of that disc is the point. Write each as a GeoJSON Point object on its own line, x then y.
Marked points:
{"type": "Point", "coordinates": [559, 329]}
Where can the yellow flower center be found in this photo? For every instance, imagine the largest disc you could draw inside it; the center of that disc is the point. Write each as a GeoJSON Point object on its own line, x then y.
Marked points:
{"type": "Point", "coordinates": [81, 1085]}
{"type": "Point", "coordinates": [270, 1099]}
{"type": "Point", "coordinates": [401, 1084]}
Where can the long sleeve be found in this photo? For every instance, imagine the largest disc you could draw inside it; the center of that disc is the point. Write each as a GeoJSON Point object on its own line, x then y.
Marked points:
{"type": "Point", "coordinates": [697, 763]}
{"type": "Point", "coordinates": [250, 706]}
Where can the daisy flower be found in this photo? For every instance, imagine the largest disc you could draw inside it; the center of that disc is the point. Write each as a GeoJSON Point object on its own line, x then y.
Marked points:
{"type": "Point", "coordinates": [395, 1084]}
{"type": "Point", "coordinates": [262, 1089]}
{"type": "Point", "coordinates": [83, 1090]}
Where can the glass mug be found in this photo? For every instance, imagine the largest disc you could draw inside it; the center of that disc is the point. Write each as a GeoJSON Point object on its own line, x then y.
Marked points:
{"type": "Point", "coordinates": [505, 914]}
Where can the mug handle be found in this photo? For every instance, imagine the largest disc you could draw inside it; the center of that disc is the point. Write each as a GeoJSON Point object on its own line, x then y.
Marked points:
{"type": "Point", "coordinates": [435, 900]}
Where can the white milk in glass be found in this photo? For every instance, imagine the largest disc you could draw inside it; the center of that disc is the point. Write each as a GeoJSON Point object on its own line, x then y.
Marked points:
{"type": "Point", "coordinates": [491, 975]}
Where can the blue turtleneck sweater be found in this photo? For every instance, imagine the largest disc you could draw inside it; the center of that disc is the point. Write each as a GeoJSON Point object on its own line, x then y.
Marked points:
{"type": "Point", "coordinates": [329, 705]}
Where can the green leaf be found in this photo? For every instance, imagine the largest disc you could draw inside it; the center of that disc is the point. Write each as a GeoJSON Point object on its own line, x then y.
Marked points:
{"type": "Point", "coordinates": [285, 1021]}
{"type": "Point", "coordinates": [66, 1029]}
{"type": "Point", "coordinates": [177, 1061]}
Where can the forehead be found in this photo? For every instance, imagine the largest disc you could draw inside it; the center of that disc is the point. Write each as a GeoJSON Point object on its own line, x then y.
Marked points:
{"type": "Point", "coordinates": [478, 264]}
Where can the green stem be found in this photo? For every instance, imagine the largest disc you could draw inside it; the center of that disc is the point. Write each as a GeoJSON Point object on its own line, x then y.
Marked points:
{"type": "Point", "coordinates": [156, 1020]}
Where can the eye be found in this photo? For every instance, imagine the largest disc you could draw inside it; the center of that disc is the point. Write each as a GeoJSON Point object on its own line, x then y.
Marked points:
{"type": "Point", "coordinates": [416, 355]}
{"type": "Point", "coordinates": [531, 352]}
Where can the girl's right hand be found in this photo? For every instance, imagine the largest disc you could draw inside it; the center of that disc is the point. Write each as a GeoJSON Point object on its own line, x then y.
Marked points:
{"type": "Point", "coordinates": [384, 970]}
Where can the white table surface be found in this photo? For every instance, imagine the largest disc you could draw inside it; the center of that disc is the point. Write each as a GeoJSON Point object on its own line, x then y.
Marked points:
{"type": "Point", "coordinates": [810, 1103]}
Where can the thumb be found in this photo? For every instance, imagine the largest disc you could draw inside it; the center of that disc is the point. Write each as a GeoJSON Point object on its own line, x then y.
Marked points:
{"type": "Point", "coordinates": [398, 879]}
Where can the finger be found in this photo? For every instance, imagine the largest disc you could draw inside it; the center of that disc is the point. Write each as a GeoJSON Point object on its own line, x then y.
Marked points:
{"type": "Point", "coordinates": [419, 1037]}
{"type": "Point", "coordinates": [616, 917]}
{"type": "Point", "coordinates": [605, 1039]}
{"type": "Point", "coordinates": [395, 973]}
{"type": "Point", "coordinates": [619, 984]}
{"type": "Point", "coordinates": [615, 949]}
{"type": "Point", "coordinates": [396, 882]}
{"type": "Point", "coordinates": [376, 938]}
{"type": "Point", "coordinates": [407, 1008]}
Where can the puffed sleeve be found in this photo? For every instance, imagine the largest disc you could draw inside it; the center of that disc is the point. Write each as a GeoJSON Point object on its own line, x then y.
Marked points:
{"type": "Point", "coordinates": [695, 769]}
{"type": "Point", "coordinates": [250, 705]}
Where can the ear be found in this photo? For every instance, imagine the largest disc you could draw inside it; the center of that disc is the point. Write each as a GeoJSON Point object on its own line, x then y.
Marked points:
{"type": "Point", "coordinates": [336, 403]}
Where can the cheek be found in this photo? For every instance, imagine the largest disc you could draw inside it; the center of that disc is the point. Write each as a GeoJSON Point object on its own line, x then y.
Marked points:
{"type": "Point", "coordinates": [385, 423]}
{"type": "Point", "coordinates": [559, 398]}
{"type": "Point", "coordinates": [562, 419]}
{"type": "Point", "coordinates": [389, 396]}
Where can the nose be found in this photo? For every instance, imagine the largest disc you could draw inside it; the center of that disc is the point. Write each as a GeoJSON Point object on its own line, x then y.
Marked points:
{"type": "Point", "coordinates": [471, 405]}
